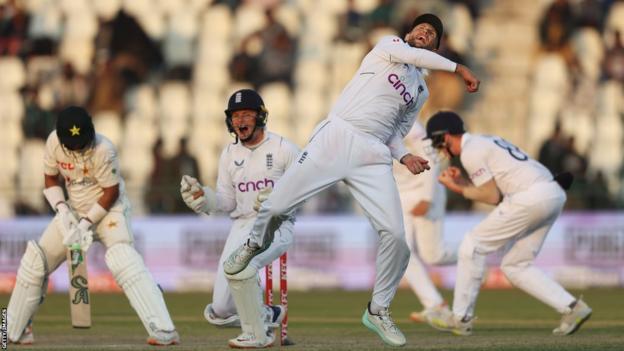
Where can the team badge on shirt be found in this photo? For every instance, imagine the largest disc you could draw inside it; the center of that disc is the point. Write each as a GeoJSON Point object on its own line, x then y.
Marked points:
{"type": "Point", "coordinates": [269, 161]}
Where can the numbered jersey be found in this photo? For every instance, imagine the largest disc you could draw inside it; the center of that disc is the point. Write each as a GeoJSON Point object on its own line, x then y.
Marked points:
{"type": "Point", "coordinates": [86, 173]}
{"type": "Point", "coordinates": [243, 172]}
{"type": "Point", "coordinates": [487, 157]}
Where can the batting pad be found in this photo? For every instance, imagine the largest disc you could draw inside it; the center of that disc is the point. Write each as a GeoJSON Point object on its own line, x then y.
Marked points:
{"type": "Point", "coordinates": [247, 297]}
{"type": "Point", "coordinates": [130, 272]}
{"type": "Point", "coordinates": [29, 291]}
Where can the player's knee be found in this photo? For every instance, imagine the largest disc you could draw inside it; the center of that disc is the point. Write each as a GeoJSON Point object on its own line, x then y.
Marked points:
{"type": "Point", "coordinates": [124, 262]}
{"type": "Point", "coordinates": [397, 239]}
{"type": "Point", "coordinates": [33, 267]}
{"type": "Point", "coordinates": [250, 272]}
{"type": "Point", "coordinates": [467, 248]}
{"type": "Point", "coordinates": [513, 270]}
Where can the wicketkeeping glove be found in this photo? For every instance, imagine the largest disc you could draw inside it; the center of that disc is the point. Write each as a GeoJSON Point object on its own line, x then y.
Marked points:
{"type": "Point", "coordinates": [197, 198]}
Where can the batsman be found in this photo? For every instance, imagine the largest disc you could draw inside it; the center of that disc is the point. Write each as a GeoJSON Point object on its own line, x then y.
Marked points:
{"type": "Point", "coordinates": [97, 209]}
{"type": "Point", "coordinates": [248, 168]}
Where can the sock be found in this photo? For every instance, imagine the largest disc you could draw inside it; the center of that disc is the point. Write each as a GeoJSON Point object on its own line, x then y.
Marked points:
{"type": "Point", "coordinates": [373, 308]}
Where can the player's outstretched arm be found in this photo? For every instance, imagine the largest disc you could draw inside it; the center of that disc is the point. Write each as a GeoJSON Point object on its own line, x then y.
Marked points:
{"type": "Point", "coordinates": [470, 79]}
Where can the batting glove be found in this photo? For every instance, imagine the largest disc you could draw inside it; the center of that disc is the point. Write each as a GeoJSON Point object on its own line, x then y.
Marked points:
{"type": "Point", "coordinates": [67, 217]}
{"type": "Point", "coordinates": [81, 234]}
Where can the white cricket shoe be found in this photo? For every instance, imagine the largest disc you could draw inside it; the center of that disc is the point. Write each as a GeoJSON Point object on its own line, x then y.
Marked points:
{"type": "Point", "coordinates": [572, 321]}
{"type": "Point", "coordinates": [384, 326]}
{"type": "Point", "coordinates": [451, 323]}
{"type": "Point", "coordinates": [212, 318]}
{"type": "Point", "coordinates": [27, 337]}
{"type": "Point", "coordinates": [274, 315]}
{"type": "Point", "coordinates": [240, 258]}
{"type": "Point", "coordinates": [163, 338]}
{"type": "Point", "coordinates": [425, 316]}
{"type": "Point", "coordinates": [440, 312]}
{"type": "Point", "coordinates": [249, 341]}
{"type": "Point", "coordinates": [418, 316]}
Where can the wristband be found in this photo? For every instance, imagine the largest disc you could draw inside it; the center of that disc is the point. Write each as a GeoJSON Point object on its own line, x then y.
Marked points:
{"type": "Point", "coordinates": [96, 213]}
{"type": "Point", "coordinates": [54, 195]}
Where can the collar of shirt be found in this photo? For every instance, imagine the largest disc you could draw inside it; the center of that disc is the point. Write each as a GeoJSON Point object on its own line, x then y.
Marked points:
{"type": "Point", "coordinates": [264, 140]}
{"type": "Point", "coordinates": [465, 138]}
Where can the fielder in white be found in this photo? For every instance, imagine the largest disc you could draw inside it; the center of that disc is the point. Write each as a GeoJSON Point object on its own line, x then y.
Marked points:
{"type": "Point", "coordinates": [356, 144]}
{"type": "Point", "coordinates": [423, 200]}
{"type": "Point", "coordinates": [88, 163]}
{"type": "Point", "coordinates": [248, 170]}
{"type": "Point", "coordinates": [528, 200]}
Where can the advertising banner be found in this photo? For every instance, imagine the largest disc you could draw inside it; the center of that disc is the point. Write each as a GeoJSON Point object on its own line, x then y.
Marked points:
{"type": "Point", "coordinates": [182, 253]}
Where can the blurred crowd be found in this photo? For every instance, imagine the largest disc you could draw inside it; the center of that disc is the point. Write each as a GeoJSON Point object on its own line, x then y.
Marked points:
{"type": "Point", "coordinates": [156, 74]}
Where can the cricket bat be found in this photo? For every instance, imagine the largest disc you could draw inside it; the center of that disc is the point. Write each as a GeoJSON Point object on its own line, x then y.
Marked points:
{"type": "Point", "coordinates": [79, 301]}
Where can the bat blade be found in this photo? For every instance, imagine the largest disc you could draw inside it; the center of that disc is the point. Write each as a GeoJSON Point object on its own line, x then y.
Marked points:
{"type": "Point", "coordinates": [79, 299]}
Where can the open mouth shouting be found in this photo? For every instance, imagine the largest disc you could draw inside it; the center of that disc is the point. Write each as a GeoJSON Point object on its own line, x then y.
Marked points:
{"type": "Point", "coordinates": [244, 131]}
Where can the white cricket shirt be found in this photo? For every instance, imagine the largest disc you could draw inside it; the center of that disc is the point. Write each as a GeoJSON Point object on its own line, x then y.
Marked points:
{"type": "Point", "coordinates": [86, 173]}
{"type": "Point", "coordinates": [388, 90]}
{"type": "Point", "coordinates": [244, 171]}
{"type": "Point", "coordinates": [425, 186]}
{"type": "Point", "coordinates": [486, 157]}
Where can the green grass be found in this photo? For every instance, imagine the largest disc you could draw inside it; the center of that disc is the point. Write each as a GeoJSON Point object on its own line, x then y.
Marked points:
{"type": "Point", "coordinates": [330, 320]}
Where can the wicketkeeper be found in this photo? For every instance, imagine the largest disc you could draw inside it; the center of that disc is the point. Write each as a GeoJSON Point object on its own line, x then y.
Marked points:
{"type": "Point", "coordinates": [248, 169]}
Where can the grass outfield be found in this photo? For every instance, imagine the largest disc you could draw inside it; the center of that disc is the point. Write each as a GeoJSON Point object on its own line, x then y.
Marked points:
{"type": "Point", "coordinates": [330, 320]}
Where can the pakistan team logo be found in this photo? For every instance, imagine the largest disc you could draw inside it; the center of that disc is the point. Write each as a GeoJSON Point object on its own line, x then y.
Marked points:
{"type": "Point", "coordinates": [82, 290]}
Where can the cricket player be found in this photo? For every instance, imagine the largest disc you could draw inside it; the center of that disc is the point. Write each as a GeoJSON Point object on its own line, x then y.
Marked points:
{"type": "Point", "coordinates": [356, 144]}
{"type": "Point", "coordinates": [248, 170]}
{"type": "Point", "coordinates": [97, 209]}
{"type": "Point", "coordinates": [528, 201]}
{"type": "Point", "coordinates": [423, 200]}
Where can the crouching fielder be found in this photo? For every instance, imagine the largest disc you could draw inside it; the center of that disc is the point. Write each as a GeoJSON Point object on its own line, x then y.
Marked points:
{"type": "Point", "coordinates": [88, 163]}
{"type": "Point", "coordinates": [248, 169]}
{"type": "Point", "coordinates": [528, 201]}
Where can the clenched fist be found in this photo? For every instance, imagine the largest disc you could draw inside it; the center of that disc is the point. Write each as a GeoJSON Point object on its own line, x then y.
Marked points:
{"type": "Point", "coordinates": [415, 164]}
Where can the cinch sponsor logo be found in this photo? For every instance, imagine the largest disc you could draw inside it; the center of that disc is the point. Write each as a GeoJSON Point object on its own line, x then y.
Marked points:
{"type": "Point", "coordinates": [254, 185]}
{"type": "Point", "coordinates": [401, 88]}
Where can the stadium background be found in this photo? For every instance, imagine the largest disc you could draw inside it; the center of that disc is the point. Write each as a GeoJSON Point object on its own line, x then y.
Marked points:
{"type": "Point", "coordinates": [156, 75]}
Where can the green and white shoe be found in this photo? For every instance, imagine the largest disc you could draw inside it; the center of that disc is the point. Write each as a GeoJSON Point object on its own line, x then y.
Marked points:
{"type": "Point", "coordinates": [384, 326]}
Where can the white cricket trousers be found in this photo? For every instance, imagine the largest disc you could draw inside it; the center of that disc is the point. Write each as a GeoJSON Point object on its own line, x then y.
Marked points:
{"type": "Point", "coordinates": [222, 300]}
{"type": "Point", "coordinates": [520, 223]}
{"type": "Point", "coordinates": [338, 152]}
{"type": "Point", "coordinates": [425, 240]}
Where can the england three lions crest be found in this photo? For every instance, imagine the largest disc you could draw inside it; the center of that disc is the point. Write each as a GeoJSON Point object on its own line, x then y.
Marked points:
{"type": "Point", "coordinates": [269, 161]}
